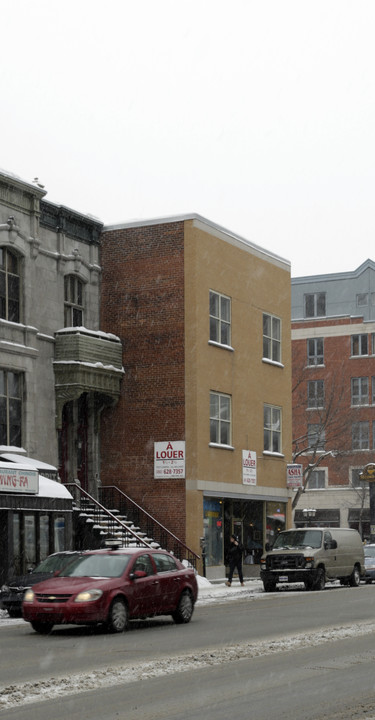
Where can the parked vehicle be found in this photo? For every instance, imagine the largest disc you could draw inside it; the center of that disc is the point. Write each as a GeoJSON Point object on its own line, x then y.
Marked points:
{"type": "Point", "coordinates": [312, 556]}
{"type": "Point", "coordinates": [369, 551]}
{"type": "Point", "coordinates": [111, 587]}
{"type": "Point", "coordinates": [12, 592]}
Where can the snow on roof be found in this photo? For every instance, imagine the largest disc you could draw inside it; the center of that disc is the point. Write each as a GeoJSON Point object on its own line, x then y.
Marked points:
{"type": "Point", "coordinates": [37, 464]}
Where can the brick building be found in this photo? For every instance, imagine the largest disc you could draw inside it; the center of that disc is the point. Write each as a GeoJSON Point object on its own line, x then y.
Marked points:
{"type": "Point", "coordinates": [204, 319]}
{"type": "Point", "coordinates": [333, 351]}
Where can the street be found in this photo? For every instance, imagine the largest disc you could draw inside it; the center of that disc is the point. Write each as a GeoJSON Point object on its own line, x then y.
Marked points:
{"type": "Point", "coordinates": [293, 654]}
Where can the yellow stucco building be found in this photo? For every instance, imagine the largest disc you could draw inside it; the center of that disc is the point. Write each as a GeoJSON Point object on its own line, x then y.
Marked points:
{"type": "Point", "coordinates": [204, 318]}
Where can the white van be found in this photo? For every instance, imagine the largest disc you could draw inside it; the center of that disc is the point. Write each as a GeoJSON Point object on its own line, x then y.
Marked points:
{"type": "Point", "coordinates": [312, 556]}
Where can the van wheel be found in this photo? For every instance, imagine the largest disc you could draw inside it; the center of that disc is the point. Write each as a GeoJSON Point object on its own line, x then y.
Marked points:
{"type": "Point", "coordinates": [320, 580]}
{"type": "Point", "coordinates": [355, 577]}
{"type": "Point", "coordinates": [269, 585]}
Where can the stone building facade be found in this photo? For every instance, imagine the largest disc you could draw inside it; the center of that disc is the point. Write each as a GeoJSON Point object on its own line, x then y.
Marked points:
{"type": "Point", "coordinates": [57, 369]}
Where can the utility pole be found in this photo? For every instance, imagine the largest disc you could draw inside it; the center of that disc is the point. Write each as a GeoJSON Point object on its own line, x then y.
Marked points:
{"type": "Point", "coordinates": [368, 474]}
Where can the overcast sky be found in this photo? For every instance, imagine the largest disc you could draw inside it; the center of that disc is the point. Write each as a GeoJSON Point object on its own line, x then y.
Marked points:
{"type": "Point", "coordinates": [258, 115]}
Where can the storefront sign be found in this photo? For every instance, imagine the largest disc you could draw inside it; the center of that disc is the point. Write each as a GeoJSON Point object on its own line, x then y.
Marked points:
{"type": "Point", "coordinates": [249, 467]}
{"type": "Point", "coordinates": [19, 480]}
{"type": "Point", "coordinates": [169, 459]}
{"type": "Point", "coordinates": [294, 475]}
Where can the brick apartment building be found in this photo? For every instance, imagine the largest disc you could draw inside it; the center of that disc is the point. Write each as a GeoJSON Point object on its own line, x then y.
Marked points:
{"type": "Point", "coordinates": [333, 351]}
{"type": "Point", "coordinates": [204, 319]}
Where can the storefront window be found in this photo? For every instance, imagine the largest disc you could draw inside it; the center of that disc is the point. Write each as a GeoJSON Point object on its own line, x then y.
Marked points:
{"type": "Point", "coordinates": [275, 520]}
{"type": "Point", "coordinates": [17, 560]}
{"type": "Point", "coordinates": [43, 537]}
{"type": "Point", "coordinates": [59, 534]}
{"type": "Point", "coordinates": [213, 531]}
{"type": "Point", "coordinates": [30, 541]}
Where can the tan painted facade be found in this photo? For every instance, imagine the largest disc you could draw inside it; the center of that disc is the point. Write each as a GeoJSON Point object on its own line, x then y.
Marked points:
{"type": "Point", "coordinates": [256, 282]}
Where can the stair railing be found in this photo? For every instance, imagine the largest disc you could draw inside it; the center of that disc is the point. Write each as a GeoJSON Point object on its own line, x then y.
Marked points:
{"type": "Point", "coordinates": [97, 510]}
{"type": "Point", "coordinates": [113, 497]}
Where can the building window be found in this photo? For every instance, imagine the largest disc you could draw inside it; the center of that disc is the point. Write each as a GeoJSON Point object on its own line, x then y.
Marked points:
{"type": "Point", "coordinates": [220, 418]}
{"type": "Point", "coordinates": [272, 429]}
{"type": "Point", "coordinates": [271, 338]}
{"type": "Point", "coordinates": [315, 394]}
{"type": "Point", "coordinates": [315, 351]}
{"type": "Point", "coordinates": [317, 480]}
{"type": "Point", "coordinates": [73, 301]}
{"type": "Point", "coordinates": [220, 318]}
{"type": "Point", "coordinates": [10, 408]}
{"type": "Point", "coordinates": [359, 345]}
{"type": "Point", "coordinates": [360, 435]}
{"type": "Point", "coordinates": [359, 391]}
{"type": "Point", "coordinates": [9, 286]}
{"type": "Point", "coordinates": [315, 305]}
{"type": "Point", "coordinates": [362, 299]}
{"type": "Point", "coordinates": [316, 437]}
{"type": "Point", "coordinates": [355, 478]}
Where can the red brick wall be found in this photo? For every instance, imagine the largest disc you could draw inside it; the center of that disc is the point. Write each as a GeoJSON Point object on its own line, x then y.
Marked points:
{"type": "Point", "coordinates": [143, 303]}
{"type": "Point", "coordinates": [339, 368]}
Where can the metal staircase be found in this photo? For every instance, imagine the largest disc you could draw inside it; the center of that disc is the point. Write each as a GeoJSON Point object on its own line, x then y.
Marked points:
{"type": "Point", "coordinates": [126, 522]}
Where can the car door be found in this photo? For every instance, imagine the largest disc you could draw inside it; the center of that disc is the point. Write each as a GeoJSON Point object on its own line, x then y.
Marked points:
{"type": "Point", "coordinates": [170, 579]}
{"type": "Point", "coordinates": [144, 591]}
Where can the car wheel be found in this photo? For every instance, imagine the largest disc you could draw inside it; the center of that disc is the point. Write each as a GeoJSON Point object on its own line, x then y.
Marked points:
{"type": "Point", "coordinates": [184, 609]}
{"type": "Point", "coordinates": [320, 580]}
{"type": "Point", "coordinates": [44, 628]}
{"type": "Point", "coordinates": [269, 585]}
{"type": "Point", "coordinates": [14, 613]}
{"type": "Point", "coordinates": [355, 578]}
{"type": "Point", "coordinates": [118, 616]}
{"type": "Point", "coordinates": [368, 581]}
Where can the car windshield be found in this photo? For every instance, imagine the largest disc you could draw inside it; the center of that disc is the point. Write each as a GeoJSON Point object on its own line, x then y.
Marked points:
{"type": "Point", "coordinates": [369, 551]}
{"type": "Point", "coordinates": [54, 562]}
{"type": "Point", "coordinates": [97, 566]}
{"type": "Point", "coordinates": [298, 538]}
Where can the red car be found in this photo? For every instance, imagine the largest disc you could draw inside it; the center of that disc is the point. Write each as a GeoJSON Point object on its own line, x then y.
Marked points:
{"type": "Point", "coordinates": [112, 587]}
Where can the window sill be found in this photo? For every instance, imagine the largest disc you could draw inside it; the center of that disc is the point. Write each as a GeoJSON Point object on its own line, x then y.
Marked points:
{"type": "Point", "coordinates": [221, 345]}
{"type": "Point", "coordinates": [267, 361]}
{"type": "Point", "coordinates": [268, 453]}
{"type": "Point", "coordinates": [219, 446]}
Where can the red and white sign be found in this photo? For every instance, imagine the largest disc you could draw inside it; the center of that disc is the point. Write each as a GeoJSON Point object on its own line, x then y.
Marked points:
{"type": "Point", "coordinates": [169, 459]}
{"type": "Point", "coordinates": [249, 467]}
{"type": "Point", "coordinates": [19, 480]}
{"type": "Point", "coordinates": [294, 475]}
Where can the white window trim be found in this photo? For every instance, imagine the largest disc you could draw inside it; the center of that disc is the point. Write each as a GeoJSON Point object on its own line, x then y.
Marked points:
{"type": "Point", "coordinates": [221, 345]}
{"type": "Point", "coordinates": [273, 362]}
{"type": "Point", "coordinates": [221, 446]}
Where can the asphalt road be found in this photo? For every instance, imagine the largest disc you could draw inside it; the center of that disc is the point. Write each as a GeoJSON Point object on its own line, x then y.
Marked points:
{"type": "Point", "coordinates": [282, 655]}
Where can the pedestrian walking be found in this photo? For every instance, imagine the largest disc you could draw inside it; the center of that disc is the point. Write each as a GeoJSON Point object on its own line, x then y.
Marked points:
{"type": "Point", "coordinates": [234, 556]}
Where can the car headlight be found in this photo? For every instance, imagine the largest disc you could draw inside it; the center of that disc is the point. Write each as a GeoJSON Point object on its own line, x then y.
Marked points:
{"type": "Point", "coordinates": [88, 595]}
{"type": "Point", "coordinates": [29, 595]}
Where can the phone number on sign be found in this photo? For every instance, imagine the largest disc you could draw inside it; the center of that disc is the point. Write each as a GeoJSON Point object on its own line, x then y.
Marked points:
{"type": "Point", "coordinates": [168, 471]}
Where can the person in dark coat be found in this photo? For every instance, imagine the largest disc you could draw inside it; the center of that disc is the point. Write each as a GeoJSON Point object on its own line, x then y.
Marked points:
{"type": "Point", "coordinates": [235, 559]}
